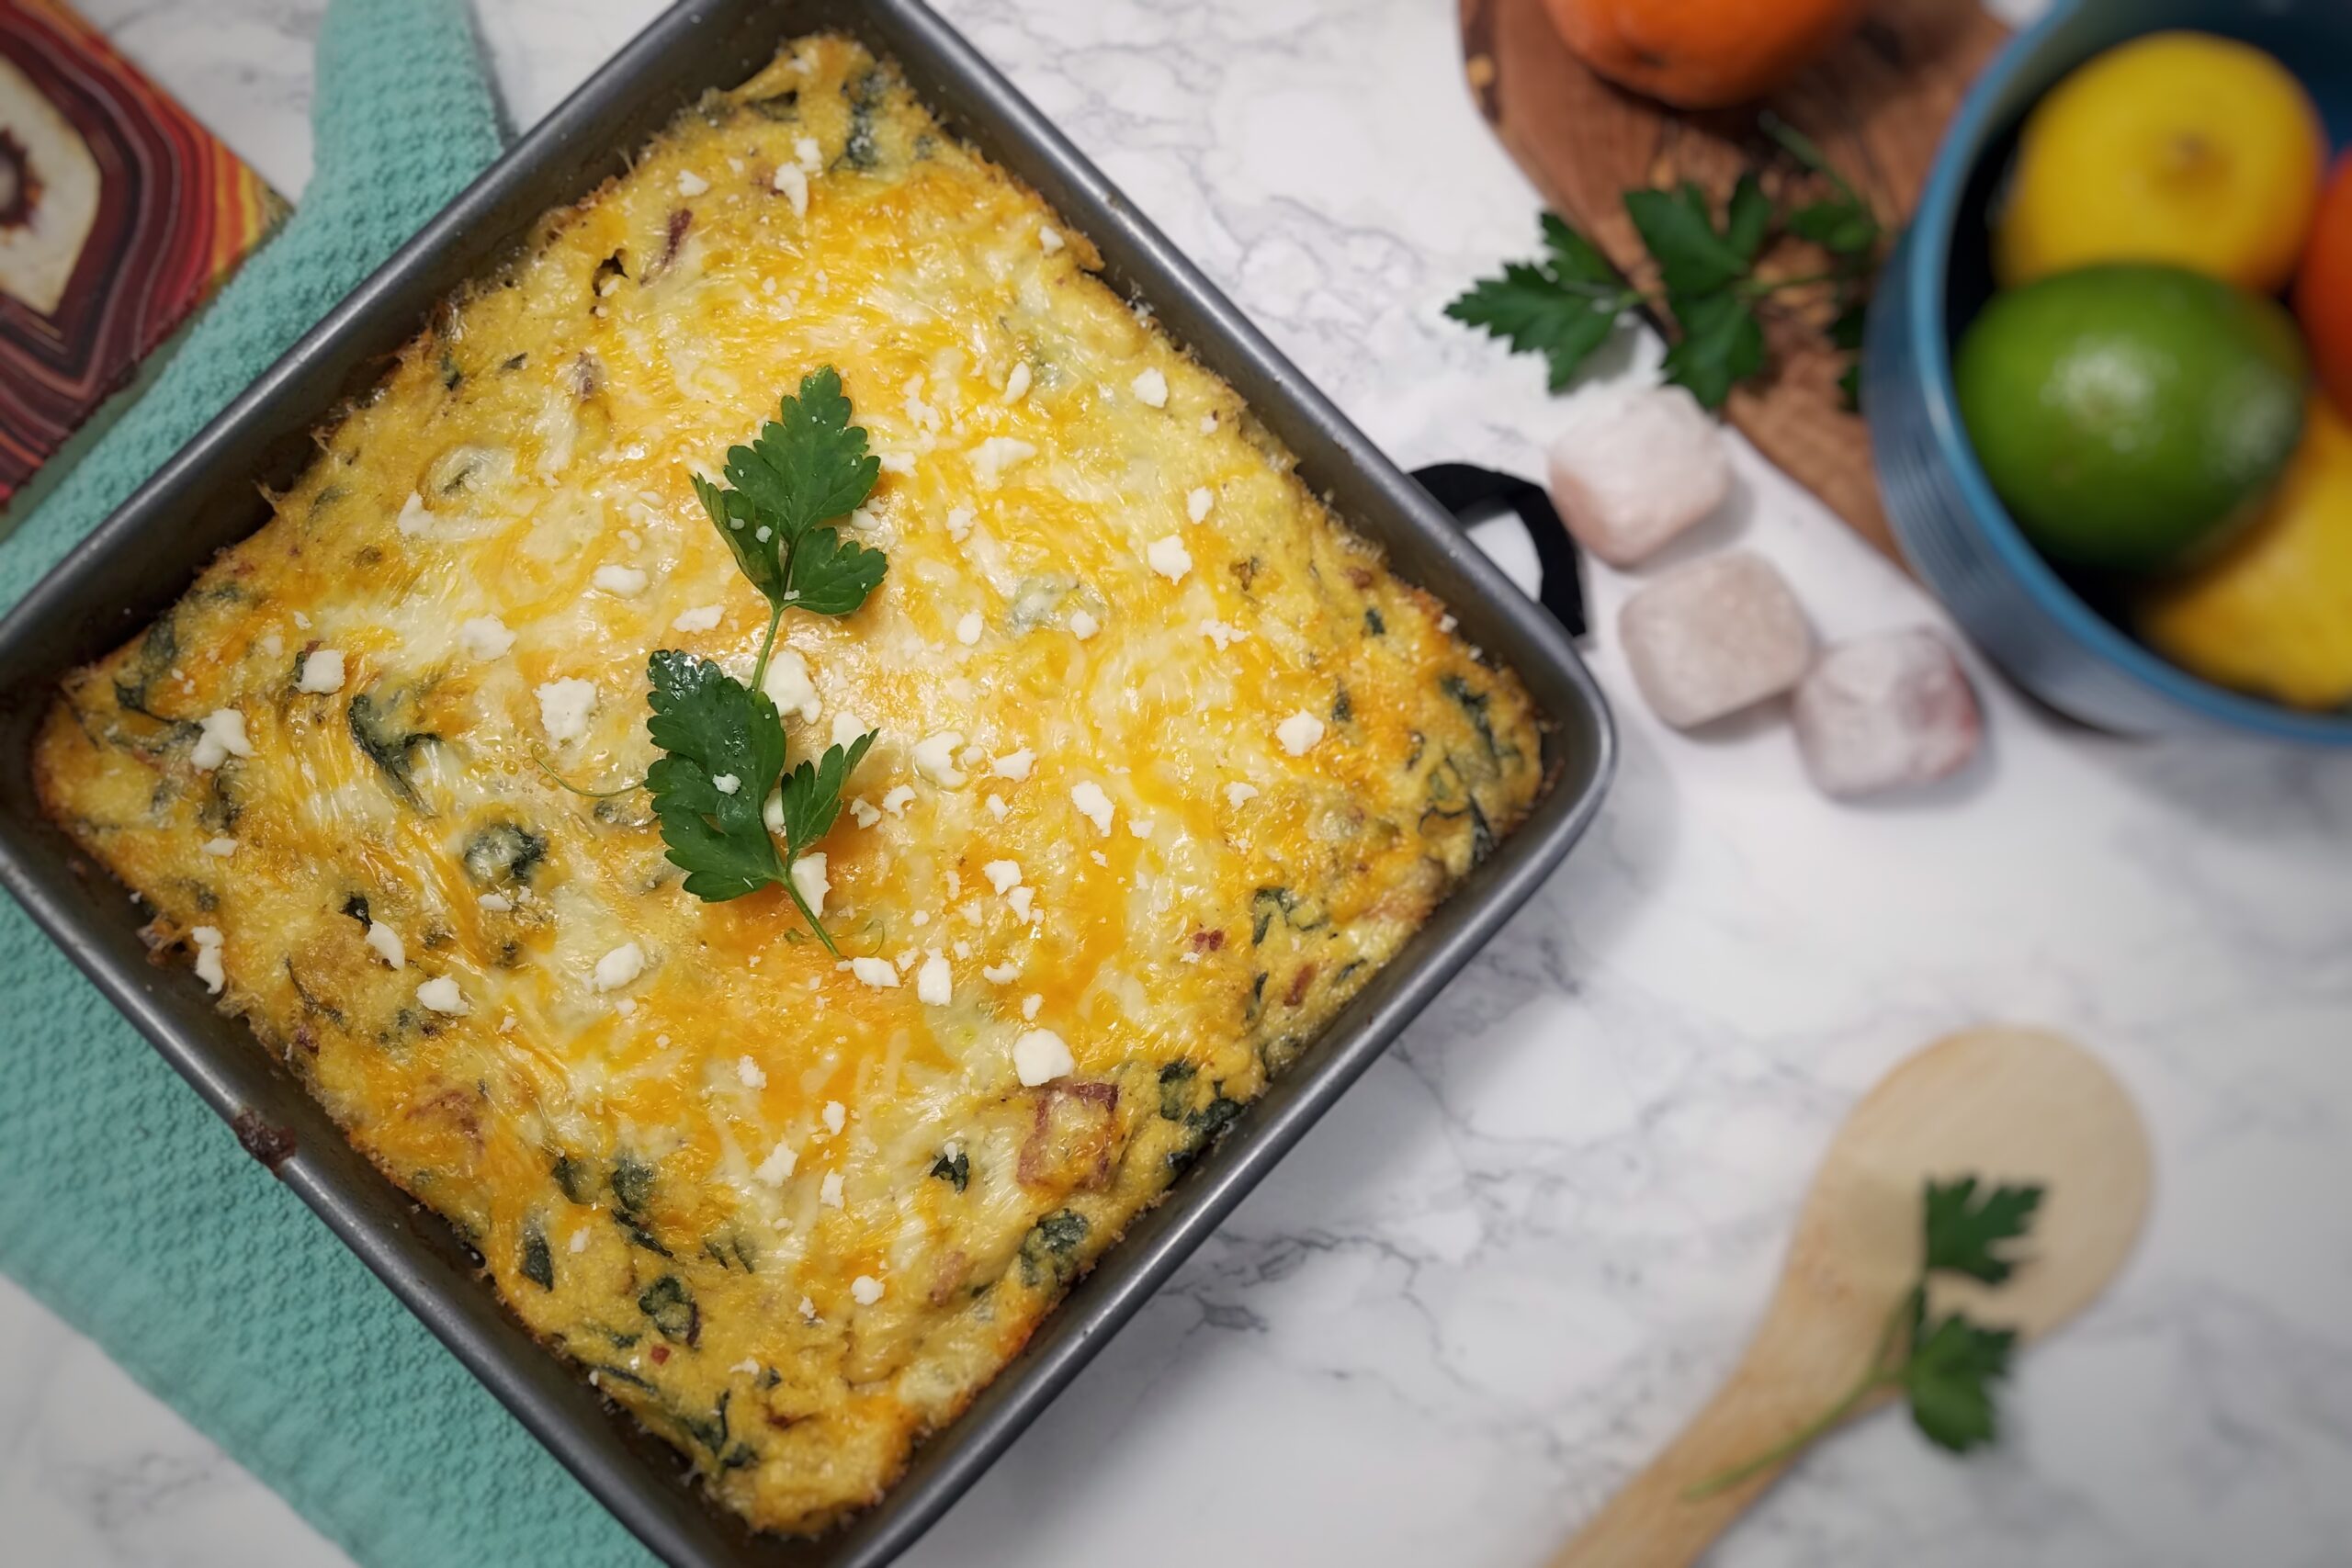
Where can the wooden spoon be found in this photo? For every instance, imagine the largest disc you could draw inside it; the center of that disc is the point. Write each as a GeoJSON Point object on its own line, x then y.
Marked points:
{"type": "Point", "coordinates": [2003, 1104]}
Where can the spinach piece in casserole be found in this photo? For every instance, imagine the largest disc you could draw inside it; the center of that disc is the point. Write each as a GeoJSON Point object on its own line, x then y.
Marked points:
{"type": "Point", "coordinates": [806, 470]}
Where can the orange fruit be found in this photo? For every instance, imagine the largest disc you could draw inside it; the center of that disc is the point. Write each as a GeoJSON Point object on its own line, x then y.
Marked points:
{"type": "Point", "coordinates": [1702, 54]}
{"type": "Point", "coordinates": [2323, 287]}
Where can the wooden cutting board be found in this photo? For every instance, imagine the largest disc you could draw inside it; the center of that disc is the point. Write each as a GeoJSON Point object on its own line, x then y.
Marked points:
{"type": "Point", "coordinates": [1877, 104]}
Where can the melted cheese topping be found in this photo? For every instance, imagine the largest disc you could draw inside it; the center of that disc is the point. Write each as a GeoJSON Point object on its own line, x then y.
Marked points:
{"type": "Point", "coordinates": [1169, 765]}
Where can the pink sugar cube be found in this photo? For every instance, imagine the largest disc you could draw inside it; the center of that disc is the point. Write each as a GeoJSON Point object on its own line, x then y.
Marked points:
{"type": "Point", "coordinates": [1714, 637]}
{"type": "Point", "coordinates": [1883, 712]}
{"type": "Point", "coordinates": [1634, 466]}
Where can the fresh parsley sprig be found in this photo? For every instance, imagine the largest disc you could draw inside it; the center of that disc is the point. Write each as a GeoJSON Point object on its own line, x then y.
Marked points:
{"type": "Point", "coordinates": [1944, 1367]}
{"type": "Point", "coordinates": [1565, 305]}
{"type": "Point", "coordinates": [722, 740]}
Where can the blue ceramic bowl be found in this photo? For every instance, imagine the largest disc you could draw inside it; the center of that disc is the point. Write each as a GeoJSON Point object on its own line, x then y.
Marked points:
{"type": "Point", "coordinates": [1954, 531]}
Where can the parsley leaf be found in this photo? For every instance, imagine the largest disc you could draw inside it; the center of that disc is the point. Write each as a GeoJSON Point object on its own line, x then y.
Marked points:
{"type": "Point", "coordinates": [1839, 225]}
{"type": "Point", "coordinates": [812, 794]}
{"type": "Point", "coordinates": [1749, 217]}
{"type": "Point", "coordinates": [1963, 1230]}
{"type": "Point", "coordinates": [807, 468]}
{"type": "Point", "coordinates": [1692, 259]}
{"type": "Point", "coordinates": [713, 727]}
{"type": "Point", "coordinates": [831, 575]}
{"type": "Point", "coordinates": [1564, 305]}
{"type": "Point", "coordinates": [1562, 308]}
{"type": "Point", "coordinates": [1946, 1378]}
{"type": "Point", "coordinates": [1721, 345]}
{"type": "Point", "coordinates": [1944, 1369]}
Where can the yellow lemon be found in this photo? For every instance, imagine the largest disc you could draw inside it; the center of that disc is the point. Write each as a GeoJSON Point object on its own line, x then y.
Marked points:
{"type": "Point", "coordinates": [2272, 615]}
{"type": "Point", "coordinates": [2177, 147]}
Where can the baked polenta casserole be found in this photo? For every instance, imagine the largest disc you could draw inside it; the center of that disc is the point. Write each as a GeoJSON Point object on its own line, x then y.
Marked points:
{"type": "Point", "coordinates": [1164, 765]}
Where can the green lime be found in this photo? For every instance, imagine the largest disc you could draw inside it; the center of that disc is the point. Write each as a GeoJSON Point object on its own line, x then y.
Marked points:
{"type": "Point", "coordinates": [2128, 415]}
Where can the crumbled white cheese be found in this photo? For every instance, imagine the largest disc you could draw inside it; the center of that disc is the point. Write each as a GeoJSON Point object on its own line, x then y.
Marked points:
{"type": "Point", "coordinates": [580, 1239]}
{"type": "Point", "coordinates": [1140, 826]}
{"type": "Point", "coordinates": [564, 707]}
{"type": "Point", "coordinates": [1047, 240]}
{"type": "Point", "coordinates": [1208, 424]}
{"type": "Point", "coordinates": [807, 1310]}
{"type": "Point", "coordinates": [1040, 1056]}
{"type": "Point", "coordinates": [1169, 558]}
{"type": "Point", "coordinates": [321, 672]}
{"type": "Point", "coordinates": [788, 686]}
{"type": "Point", "coordinates": [1002, 874]}
{"type": "Point", "coordinates": [387, 944]}
{"type": "Point", "coordinates": [1029, 1006]}
{"type": "Point", "coordinates": [967, 628]}
{"type": "Point", "coordinates": [273, 644]}
{"type": "Point", "coordinates": [1014, 764]}
{"type": "Point", "coordinates": [847, 728]}
{"type": "Point", "coordinates": [894, 463]}
{"type": "Point", "coordinates": [863, 810]}
{"type": "Point", "coordinates": [749, 1073]}
{"type": "Point", "coordinates": [618, 967]}
{"type": "Point", "coordinates": [691, 184]}
{"type": "Point", "coordinates": [778, 1168]}
{"type": "Point", "coordinates": [1239, 795]}
{"type": "Point", "coordinates": [1017, 382]}
{"type": "Point", "coordinates": [222, 735]}
{"type": "Point", "coordinates": [933, 983]}
{"type": "Point", "coordinates": [726, 783]}
{"type": "Point", "coordinates": [811, 156]}
{"type": "Point", "coordinates": [1151, 388]}
{"type": "Point", "coordinates": [701, 618]}
{"type": "Point", "coordinates": [1021, 899]}
{"type": "Point", "coordinates": [959, 522]}
{"type": "Point", "coordinates": [935, 759]}
{"type": "Point", "coordinates": [991, 457]}
{"type": "Point", "coordinates": [1224, 634]}
{"type": "Point", "coordinates": [441, 995]}
{"type": "Point", "coordinates": [495, 903]}
{"type": "Point", "coordinates": [828, 1191]}
{"type": "Point", "coordinates": [997, 808]}
{"type": "Point", "coordinates": [865, 1289]}
{"type": "Point", "coordinates": [1092, 804]}
{"type": "Point", "coordinates": [414, 519]}
{"type": "Point", "coordinates": [836, 1116]}
{"type": "Point", "coordinates": [1299, 732]}
{"type": "Point", "coordinates": [208, 957]}
{"type": "Point", "coordinates": [811, 881]}
{"type": "Point", "coordinates": [1197, 503]}
{"type": "Point", "coordinates": [624, 581]}
{"type": "Point", "coordinates": [897, 800]}
{"type": "Point", "coordinates": [223, 847]}
{"type": "Point", "coordinates": [791, 182]}
{"type": "Point", "coordinates": [1083, 626]}
{"type": "Point", "coordinates": [1001, 974]}
{"type": "Point", "coordinates": [486, 637]}
{"type": "Point", "coordinates": [875, 972]}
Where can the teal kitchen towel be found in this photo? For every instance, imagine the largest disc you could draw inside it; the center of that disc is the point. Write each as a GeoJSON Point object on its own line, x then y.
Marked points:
{"type": "Point", "coordinates": [124, 1205]}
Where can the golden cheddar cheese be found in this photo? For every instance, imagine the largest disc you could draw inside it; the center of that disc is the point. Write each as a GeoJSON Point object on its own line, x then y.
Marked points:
{"type": "Point", "coordinates": [1169, 764]}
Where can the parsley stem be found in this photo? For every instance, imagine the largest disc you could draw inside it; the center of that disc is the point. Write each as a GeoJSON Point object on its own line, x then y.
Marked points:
{"type": "Point", "coordinates": [1877, 1375]}
{"type": "Point", "coordinates": [767, 646]}
{"type": "Point", "coordinates": [810, 915]}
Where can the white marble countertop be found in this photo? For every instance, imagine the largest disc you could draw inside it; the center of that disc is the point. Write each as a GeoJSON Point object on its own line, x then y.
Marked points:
{"type": "Point", "coordinates": [1529, 1244]}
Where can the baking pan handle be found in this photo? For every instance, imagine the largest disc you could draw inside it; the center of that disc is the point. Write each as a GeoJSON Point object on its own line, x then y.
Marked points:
{"type": "Point", "coordinates": [1472, 494]}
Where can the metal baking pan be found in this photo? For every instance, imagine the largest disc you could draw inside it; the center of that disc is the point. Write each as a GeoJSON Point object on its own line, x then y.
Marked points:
{"type": "Point", "coordinates": [145, 556]}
